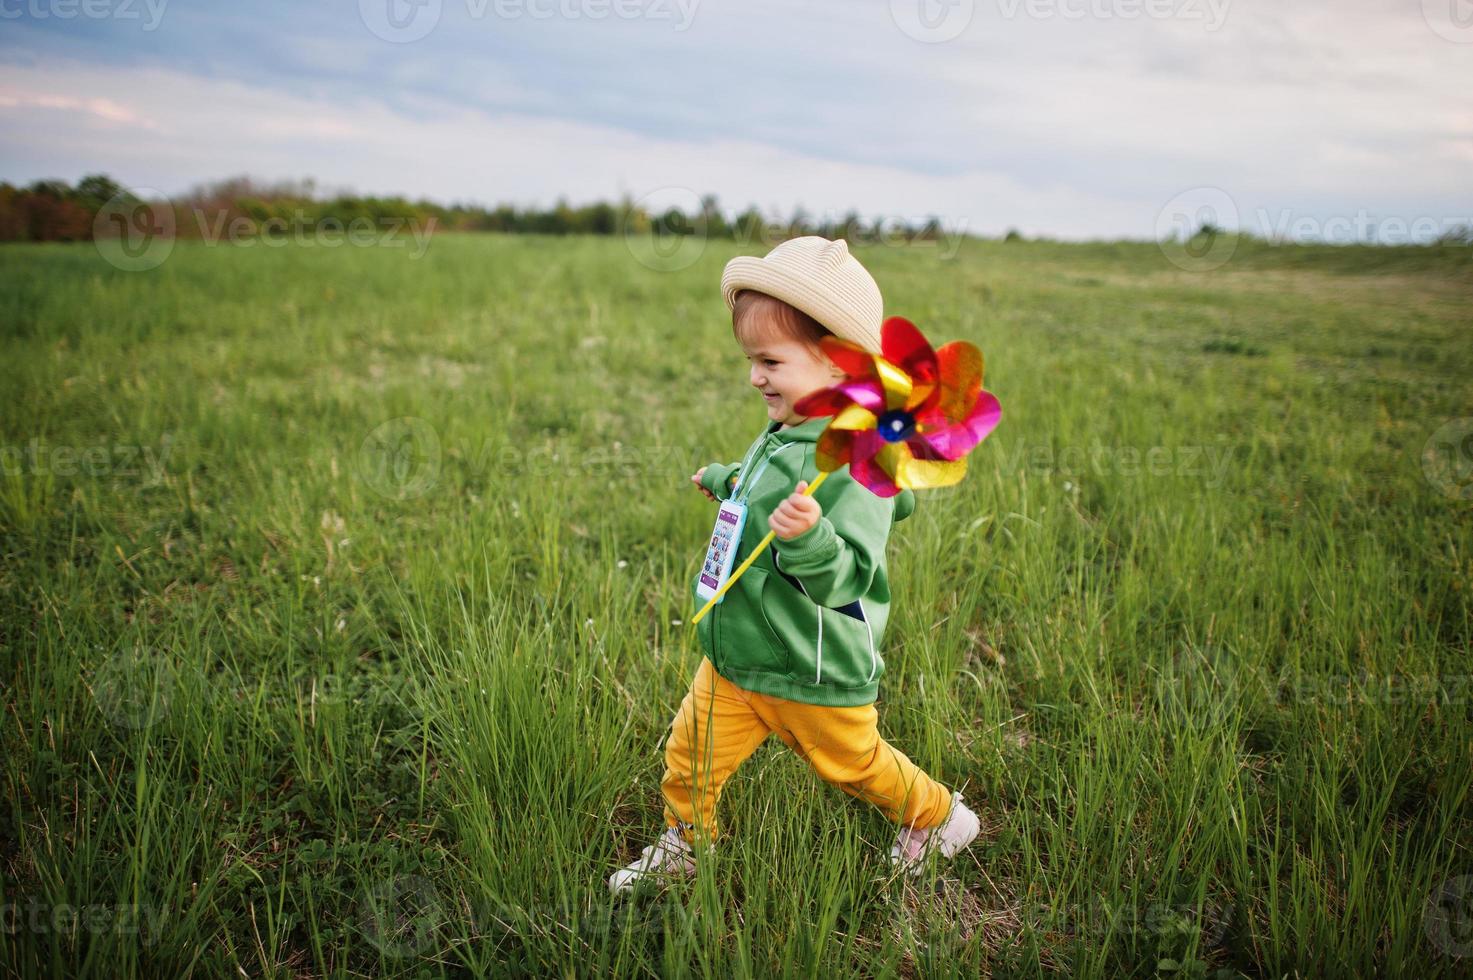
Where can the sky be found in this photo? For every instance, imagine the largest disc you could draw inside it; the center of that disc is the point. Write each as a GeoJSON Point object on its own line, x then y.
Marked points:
{"type": "Point", "coordinates": [1334, 120]}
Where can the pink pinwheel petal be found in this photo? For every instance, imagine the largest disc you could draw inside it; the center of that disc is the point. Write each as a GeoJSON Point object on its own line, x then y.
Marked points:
{"type": "Point", "coordinates": [904, 346]}
{"type": "Point", "coordinates": [866, 466]}
{"type": "Point", "coordinates": [922, 450]}
{"type": "Point", "coordinates": [955, 440]}
{"type": "Point", "coordinates": [865, 392]}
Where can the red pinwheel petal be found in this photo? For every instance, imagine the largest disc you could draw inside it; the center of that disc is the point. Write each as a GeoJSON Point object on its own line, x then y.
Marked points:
{"type": "Point", "coordinates": [865, 467]}
{"type": "Point", "coordinates": [834, 449]}
{"type": "Point", "coordinates": [825, 401]}
{"type": "Point", "coordinates": [956, 439]}
{"type": "Point", "coordinates": [850, 358]}
{"type": "Point", "coordinates": [902, 344]}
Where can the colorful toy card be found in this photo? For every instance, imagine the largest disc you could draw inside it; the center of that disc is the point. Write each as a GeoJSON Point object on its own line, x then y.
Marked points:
{"type": "Point", "coordinates": [721, 552]}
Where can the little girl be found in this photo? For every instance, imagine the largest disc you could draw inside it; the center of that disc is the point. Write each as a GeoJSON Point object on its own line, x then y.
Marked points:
{"type": "Point", "coordinates": [792, 648]}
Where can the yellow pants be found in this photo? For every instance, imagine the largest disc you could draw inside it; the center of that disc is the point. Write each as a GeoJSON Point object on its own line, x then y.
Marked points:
{"type": "Point", "coordinates": [719, 725]}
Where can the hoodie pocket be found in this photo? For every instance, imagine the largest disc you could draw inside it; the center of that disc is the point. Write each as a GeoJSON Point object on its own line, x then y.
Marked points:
{"type": "Point", "coordinates": [741, 630]}
{"type": "Point", "coordinates": [793, 619]}
{"type": "Point", "coordinates": [826, 647]}
{"type": "Point", "coordinates": [850, 656]}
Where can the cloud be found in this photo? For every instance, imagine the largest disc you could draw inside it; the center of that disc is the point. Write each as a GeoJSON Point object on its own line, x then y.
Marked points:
{"type": "Point", "coordinates": [1063, 125]}
{"type": "Point", "coordinates": [215, 128]}
{"type": "Point", "coordinates": [105, 110]}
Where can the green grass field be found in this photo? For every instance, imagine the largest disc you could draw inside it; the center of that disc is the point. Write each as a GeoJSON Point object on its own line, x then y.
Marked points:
{"type": "Point", "coordinates": [345, 606]}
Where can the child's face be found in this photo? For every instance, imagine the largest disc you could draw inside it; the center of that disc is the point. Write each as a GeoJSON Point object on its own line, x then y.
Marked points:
{"type": "Point", "coordinates": [785, 371]}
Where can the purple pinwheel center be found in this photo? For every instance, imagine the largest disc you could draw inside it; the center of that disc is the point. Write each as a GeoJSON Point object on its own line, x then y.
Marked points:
{"type": "Point", "coordinates": [896, 425]}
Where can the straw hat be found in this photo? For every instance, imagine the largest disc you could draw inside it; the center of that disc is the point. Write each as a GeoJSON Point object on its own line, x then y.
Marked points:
{"type": "Point", "coordinates": [820, 278]}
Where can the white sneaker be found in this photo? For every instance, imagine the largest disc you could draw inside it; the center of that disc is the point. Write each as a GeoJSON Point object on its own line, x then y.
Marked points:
{"type": "Point", "coordinates": [912, 847]}
{"type": "Point", "coordinates": [668, 857]}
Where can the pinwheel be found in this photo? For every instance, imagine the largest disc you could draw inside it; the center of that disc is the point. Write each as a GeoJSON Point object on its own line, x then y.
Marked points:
{"type": "Point", "coordinates": [904, 418]}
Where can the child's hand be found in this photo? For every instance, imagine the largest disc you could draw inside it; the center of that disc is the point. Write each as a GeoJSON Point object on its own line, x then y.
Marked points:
{"type": "Point", "coordinates": [696, 479]}
{"type": "Point", "coordinates": [796, 514]}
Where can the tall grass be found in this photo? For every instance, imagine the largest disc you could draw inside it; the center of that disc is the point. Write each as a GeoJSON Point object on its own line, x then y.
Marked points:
{"type": "Point", "coordinates": [342, 634]}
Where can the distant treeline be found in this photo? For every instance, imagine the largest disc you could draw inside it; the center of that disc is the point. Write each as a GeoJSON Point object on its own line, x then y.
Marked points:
{"type": "Point", "coordinates": [52, 210]}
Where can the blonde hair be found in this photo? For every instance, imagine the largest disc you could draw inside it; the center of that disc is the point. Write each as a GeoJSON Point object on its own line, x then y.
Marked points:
{"type": "Point", "coordinates": [756, 317]}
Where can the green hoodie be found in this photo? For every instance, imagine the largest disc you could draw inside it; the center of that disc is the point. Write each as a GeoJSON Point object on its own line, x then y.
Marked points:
{"type": "Point", "coordinates": [805, 622]}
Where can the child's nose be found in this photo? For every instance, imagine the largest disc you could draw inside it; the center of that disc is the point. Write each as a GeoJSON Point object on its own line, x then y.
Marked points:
{"type": "Point", "coordinates": [756, 375]}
